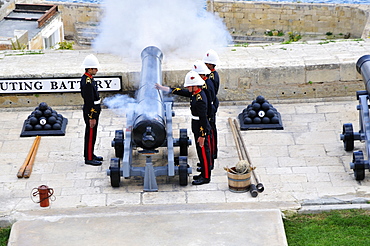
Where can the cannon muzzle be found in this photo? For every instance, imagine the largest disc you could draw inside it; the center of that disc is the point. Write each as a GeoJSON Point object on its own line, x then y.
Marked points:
{"type": "Point", "coordinates": [363, 68]}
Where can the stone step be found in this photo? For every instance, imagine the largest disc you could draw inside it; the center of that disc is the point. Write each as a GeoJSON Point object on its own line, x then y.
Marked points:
{"type": "Point", "coordinates": [86, 32]}
{"type": "Point", "coordinates": [197, 224]}
{"type": "Point", "coordinates": [258, 39]}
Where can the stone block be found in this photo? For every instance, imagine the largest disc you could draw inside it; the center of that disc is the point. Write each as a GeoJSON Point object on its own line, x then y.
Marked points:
{"type": "Point", "coordinates": [347, 71]}
{"type": "Point", "coordinates": [238, 15]}
{"type": "Point", "coordinates": [323, 72]}
{"type": "Point", "coordinates": [281, 75]}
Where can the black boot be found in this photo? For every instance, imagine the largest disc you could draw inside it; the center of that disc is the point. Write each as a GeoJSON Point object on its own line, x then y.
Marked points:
{"type": "Point", "coordinates": [98, 158]}
{"type": "Point", "coordinates": [196, 177]}
{"type": "Point", "coordinates": [93, 162]}
{"type": "Point", "coordinates": [201, 181]}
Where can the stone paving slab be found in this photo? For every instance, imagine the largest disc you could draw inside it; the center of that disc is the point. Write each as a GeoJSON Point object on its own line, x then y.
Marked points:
{"type": "Point", "coordinates": [303, 167]}
{"type": "Point", "coordinates": [212, 224]}
{"type": "Point", "coordinates": [305, 161]}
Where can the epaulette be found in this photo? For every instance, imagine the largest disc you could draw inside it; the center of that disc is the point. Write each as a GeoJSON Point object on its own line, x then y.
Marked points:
{"type": "Point", "coordinates": [199, 97]}
{"type": "Point", "coordinates": [88, 80]}
{"type": "Point", "coordinates": [204, 86]}
{"type": "Point", "coordinates": [212, 76]}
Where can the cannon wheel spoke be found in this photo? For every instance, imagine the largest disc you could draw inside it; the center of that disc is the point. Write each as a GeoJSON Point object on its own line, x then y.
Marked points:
{"type": "Point", "coordinates": [183, 170]}
{"type": "Point", "coordinates": [184, 142]}
{"type": "Point", "coordinates": [359, 165]}
{"type": "Point", "coordinates": [348, 140]}
{"type": "Point", "coordinates": [115, 175]}
{"type": "Point", "coordinates": [118, 143]}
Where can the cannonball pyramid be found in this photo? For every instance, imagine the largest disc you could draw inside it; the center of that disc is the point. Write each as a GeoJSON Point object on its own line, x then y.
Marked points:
{"type": "Point", "coordinates": [259, 115]}
{"type": "Point", "coordinates": [44, 121]}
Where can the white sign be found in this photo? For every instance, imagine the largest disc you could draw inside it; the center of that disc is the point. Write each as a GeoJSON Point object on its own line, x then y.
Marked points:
{"type": "Point", "coordinates": [56, 85]}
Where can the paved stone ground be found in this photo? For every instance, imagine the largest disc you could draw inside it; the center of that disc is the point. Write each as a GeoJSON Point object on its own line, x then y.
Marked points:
{"type": "Point", "coordinates": [303, 167]}
{"type": "Point", "coordinates": [303, 164]}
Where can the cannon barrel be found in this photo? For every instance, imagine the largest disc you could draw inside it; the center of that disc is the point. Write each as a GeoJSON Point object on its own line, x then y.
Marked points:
{"type": "Point", "coordinates": [363, 68]}
{"type": "Point", "coordinates": [149, 126]}
{"type": "Point", "coordinates": [149, 130]}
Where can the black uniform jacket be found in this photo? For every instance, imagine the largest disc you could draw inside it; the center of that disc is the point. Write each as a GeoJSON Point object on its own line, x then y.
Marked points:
{"type": "Point", "coordinates": [213, 102]}
{"type": "Point", "coordinates": [89, 92]}
{"type": "Point", "coordinates": [215, 79]}
{"type": "Point", "coordinates": [198, 107]}
{"type": "Point", "coordinates": [181, 92]}
{"type": "Point", "coordinates": [209, 91]}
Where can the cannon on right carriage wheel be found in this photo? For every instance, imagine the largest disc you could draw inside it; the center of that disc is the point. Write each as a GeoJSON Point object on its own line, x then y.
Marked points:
{"type": "Point", "coordinates": [359, 163]}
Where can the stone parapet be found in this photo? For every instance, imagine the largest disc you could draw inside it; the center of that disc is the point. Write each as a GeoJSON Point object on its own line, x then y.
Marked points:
{"type": "Point", "coordinates": [255, 17]}
{"type": "Point", "coordinates": [276, 71]}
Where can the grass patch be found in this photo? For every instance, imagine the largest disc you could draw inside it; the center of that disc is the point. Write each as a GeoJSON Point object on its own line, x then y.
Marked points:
{"type": "Point", "coordinates": [241, 45]}
{"type": "Point", "coordinates": [4, 236]}
{"type": "Point", "coordinates": [337, 227]}
{"type": "Point", "coordinates": [26, 52]}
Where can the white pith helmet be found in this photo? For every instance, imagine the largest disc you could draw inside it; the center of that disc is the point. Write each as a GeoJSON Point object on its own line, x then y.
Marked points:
{"type": "Point", "coordinates": [200, 67]}
{"type": "Point", "coordinates": [211, 57]}
{"type": "Point", "coordinates": [91, 62]}
{"type": "Point", "coordinates": [192, 78]}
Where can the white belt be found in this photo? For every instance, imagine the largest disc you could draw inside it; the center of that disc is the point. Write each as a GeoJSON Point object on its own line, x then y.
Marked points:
{"type": "Point", "coordinates": [195, 117]}
{"type": "Point", "coordinates": [97, 102]}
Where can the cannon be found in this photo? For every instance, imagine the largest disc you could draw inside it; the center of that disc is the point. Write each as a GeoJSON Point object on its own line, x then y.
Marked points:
{"type": "Point", "coordinates": [148, 128]}
{"type": "Point", "coordinates": [359, 164]}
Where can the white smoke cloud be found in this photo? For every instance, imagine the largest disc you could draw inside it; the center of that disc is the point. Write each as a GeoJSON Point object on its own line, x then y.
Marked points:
{"type": "Point", "coordinates": [178, 27]}
{"type": "Point", "coordinates": [121, 104]}
{"type": "Point", "coordinates": [124, 105]}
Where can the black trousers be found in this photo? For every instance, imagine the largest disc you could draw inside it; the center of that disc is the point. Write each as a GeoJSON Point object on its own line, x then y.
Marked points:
{"type": "Point", "coordinates": [90, 136]}
{"type": "Point", "coordinates": [214, 141]}
{"type": "Point", "coordinates": [204, 153]}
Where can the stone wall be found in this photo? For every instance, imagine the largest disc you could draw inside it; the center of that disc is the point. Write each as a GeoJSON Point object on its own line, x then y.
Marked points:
{"type": "Point", "coordinates": [253, 18]}
{"type": "Point", "coordinates": [249, 17]}
{"type": "Point", "coordinates": [6, 7]}
{"type": "Point", "coordinates": [303, 81]}
{"type": "Point", "coordinates": [78, 13]}
{"type": "Point", "coordinates": [244, 17]}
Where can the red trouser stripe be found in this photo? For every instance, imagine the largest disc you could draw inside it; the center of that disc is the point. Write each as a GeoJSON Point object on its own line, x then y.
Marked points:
{"type": "Point", "coordinates": [90, 145]}
{"type": "Point", "coordinates": [205, 162]}
{"type": "Point", "coordinates": [211, 150]}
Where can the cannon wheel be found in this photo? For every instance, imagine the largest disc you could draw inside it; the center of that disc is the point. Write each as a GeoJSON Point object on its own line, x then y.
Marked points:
{"type": "Point", "coordinates": [118, 143]}
{"type": "Point", "coordinates": [348, 140]}
{"type": "Point", "coordinates": [184, 142]}
{"type": "Point", "coordinates": [183, 171]}
{"type": "Point", "coordinates": [359, 165]}
{"type": "Point", "coordinates": [115, 174]}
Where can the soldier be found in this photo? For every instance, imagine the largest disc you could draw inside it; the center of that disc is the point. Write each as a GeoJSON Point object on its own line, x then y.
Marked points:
{"type": "Point", "coordinates": [208, 87]}
{"type": "Point", "coordinates": [199, 124]}
{"type": "Point", "coordinates": [211, 59]}
{"type": "Point", "coordinates": [91, 109]}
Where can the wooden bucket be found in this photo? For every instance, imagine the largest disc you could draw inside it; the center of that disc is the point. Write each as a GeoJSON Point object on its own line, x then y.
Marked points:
{"type": "Point", "coordinates": [239, 182]}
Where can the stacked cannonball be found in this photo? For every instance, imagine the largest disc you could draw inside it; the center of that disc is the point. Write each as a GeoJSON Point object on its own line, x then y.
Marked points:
{"type": "Point", "coordinates": [43, 118]}
{"type": "Point", "coordinates": [260, 111]}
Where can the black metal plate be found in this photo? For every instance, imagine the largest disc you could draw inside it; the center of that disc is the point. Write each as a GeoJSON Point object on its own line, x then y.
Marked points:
{"type": "Point", "coordinates": [60, 132]}
{"type": "Point", "coordinates": [260, 126]}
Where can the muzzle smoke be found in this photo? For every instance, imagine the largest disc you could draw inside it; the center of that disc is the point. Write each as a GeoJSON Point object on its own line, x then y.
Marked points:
{"type": "Point", "coordinates": [177, 27]}
{"type": "Point", "coordinates": [121, 104]}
